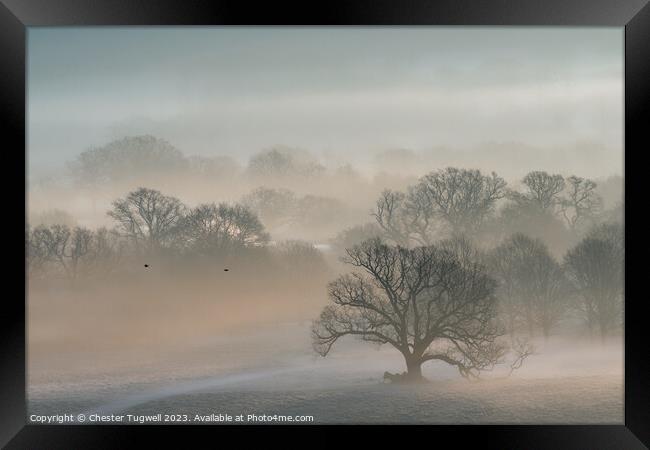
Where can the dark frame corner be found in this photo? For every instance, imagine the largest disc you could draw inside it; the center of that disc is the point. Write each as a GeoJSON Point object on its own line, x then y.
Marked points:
{"type": "Point", "coordinates": [17, 15]}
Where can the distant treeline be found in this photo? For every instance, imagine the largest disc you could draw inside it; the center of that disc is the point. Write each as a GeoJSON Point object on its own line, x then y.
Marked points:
{"type": "Point", "coordinates": [140, 156]}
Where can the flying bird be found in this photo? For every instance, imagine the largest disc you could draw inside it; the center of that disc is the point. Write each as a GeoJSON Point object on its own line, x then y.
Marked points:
{"type": "Point", "coordinates": [146, 265]}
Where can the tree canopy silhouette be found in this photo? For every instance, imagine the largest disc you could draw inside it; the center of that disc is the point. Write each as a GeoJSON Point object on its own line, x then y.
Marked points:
{"type": "Point", "coordinates": [430, 303]}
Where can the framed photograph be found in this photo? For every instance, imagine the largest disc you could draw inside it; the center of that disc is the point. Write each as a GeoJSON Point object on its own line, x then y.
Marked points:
{"type": "Point", "coordinates": [305, 217]}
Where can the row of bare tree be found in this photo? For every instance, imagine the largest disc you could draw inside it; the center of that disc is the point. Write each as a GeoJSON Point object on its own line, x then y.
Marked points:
{"type": "Point", "coordinates": [150, 224]}
{"type": "Point", "coordinates": [72, 251]}
{"type": "Point", "coordinates": [535, 290]}
{"type": "Point", "coordinates": [462, 201]}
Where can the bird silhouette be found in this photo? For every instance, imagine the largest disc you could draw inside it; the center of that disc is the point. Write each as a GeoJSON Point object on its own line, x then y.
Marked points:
{"type": "Point", "coordinates": [146, 265]}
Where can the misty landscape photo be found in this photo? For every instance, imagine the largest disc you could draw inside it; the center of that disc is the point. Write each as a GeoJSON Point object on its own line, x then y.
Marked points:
{"type": "Point", "coordinates": [325, 225]}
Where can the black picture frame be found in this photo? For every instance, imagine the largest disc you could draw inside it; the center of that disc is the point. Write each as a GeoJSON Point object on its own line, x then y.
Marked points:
{"type": "Point", "coordinates": [16, 15]}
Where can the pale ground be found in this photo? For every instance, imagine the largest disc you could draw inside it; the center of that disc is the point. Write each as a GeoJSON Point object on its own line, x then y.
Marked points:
{"type": "Point", "coordinates": [272, 370]}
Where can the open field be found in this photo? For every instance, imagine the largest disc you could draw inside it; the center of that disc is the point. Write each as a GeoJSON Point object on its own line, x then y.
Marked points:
{"type": "Point", "coordinates": [271, 370]}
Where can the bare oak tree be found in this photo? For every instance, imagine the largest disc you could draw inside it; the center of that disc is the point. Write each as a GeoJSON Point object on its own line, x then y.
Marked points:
{"type": "Point", "coordinates": [463, 198]}
{"type": "Point", "coordinates": [541, 189]}
{"type": "Point", "coordinates": [390, 214]}
{"type": "Point", "coordinates": [430, 303]}
{"type": "Point", "coordinates": [211, 228]}
{"type": "Point", "coordinates": [450, 201]}
{"type": "Point", "coordinates": [595, 266]}
{"type": "Point", "coordinates": [532, 285]}
{"type": "Point", "coordinates": [49, 245]}
{"type": "Point", "coordinates": [148, 217]}
{"type": "Point", "coordinates": [60, 246]}
{"type": "Point", "coordinates": [581, 202]}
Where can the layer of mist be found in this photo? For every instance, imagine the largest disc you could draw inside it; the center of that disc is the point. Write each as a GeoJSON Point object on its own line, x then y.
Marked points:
{"type": "Point", "coordinates": [366, 225]}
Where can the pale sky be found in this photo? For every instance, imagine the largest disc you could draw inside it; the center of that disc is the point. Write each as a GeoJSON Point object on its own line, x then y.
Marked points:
{"type": "Point", "coordinates": [340, 92]}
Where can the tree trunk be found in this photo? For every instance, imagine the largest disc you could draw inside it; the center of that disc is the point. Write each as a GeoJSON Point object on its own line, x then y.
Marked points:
{"type": "Point", "coordinates": [413, 369]}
